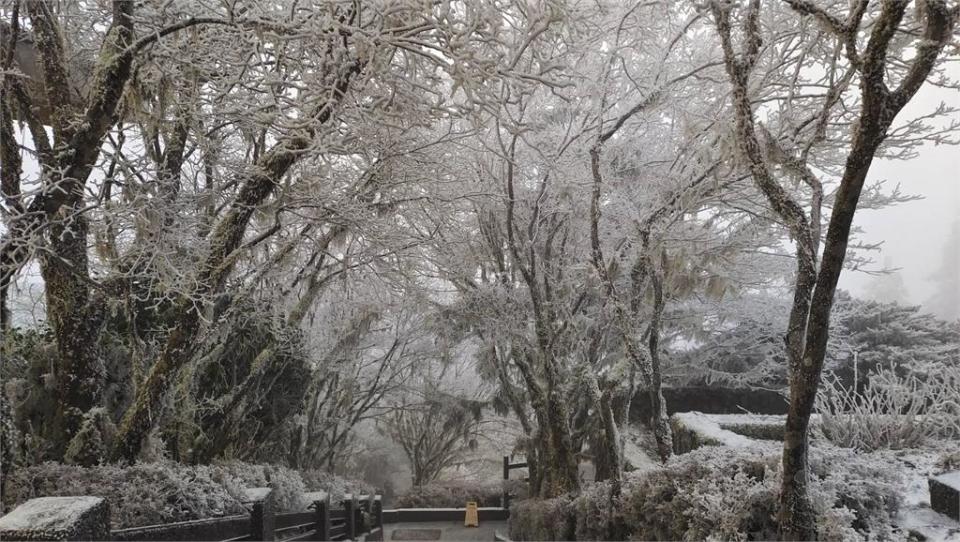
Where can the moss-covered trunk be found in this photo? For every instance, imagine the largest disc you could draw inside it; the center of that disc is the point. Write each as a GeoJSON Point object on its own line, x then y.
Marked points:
{"type": "Point", "coordinates": [559, 463]}
{"type": "Point", "coordinates": [75, 324]}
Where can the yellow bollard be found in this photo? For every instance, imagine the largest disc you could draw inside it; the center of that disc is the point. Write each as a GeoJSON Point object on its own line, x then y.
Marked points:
{"type": "Point", "coordinates": [472, 520]}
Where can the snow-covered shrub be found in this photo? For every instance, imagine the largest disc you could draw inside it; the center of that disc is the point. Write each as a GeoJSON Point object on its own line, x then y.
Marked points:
{"type": "Point", "coordinates": [543, 519]}
{"type": "Point", "coordinates": [597, 514]}
{"type": "Point", "coordinates": [692, 430]}
{"type": "Point", "coordinates": [758, 431]}
{"type": "Point", "coordinates": [337, 486]}
{"type": "Point", "coordinates": [710, 492]}
{"type": "Point", "coordinates": [450, 494]}
{"type": "Point", "coordinates": [730, 494]}
{"type": "Point", "coordinates": [143, 494]}
{"type": "Point", "coordinates": [288, 486]}
{"type": "Point", "coordinates": [892, 411]}
{"type": "Point", "coordinates": [165, 492]}
{"type": "Point", "coordinates": [856, 495]}
{"type": "Point", "coordinates": [949, 462]}
{"type": "Point", "coordinates": [720, 493]}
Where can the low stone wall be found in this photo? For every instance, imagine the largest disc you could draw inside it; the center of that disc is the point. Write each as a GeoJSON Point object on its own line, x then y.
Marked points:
{"type": "Point", "coordinates": [691, 430]}
{"type": "Point", "coordinates": [945, 494]}
{"type": "Point", "coordinates": [58, 518]}
{"type": "Point", "coordinates": [711, 401]}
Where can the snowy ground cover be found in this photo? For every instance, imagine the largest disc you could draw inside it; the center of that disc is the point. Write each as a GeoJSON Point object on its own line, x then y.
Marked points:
{"type": "Point", "coordinates": [912, 466]}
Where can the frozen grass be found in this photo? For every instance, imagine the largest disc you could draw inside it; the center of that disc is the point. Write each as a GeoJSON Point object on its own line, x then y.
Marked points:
{"type": "Point", "coordinates": [892, 411]}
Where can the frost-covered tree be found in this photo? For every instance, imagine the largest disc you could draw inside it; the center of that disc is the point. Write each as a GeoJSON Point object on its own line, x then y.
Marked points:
{"type": "Point", "coordinates": [746, 347]}
{"type": "Point", "coordinates": [436, 420]}
{"type": "Point", "coordinates": [231, 147]}
{"type": "Point", "coordinates": [855, 48]}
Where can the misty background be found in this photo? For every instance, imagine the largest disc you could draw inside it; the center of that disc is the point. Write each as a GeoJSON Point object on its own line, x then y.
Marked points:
{"type": "Point", "coordinates": [919, 239]}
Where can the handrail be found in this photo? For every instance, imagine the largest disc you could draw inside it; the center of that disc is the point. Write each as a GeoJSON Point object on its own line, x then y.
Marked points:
{"type": "Point", "coordinates": [350, 519]}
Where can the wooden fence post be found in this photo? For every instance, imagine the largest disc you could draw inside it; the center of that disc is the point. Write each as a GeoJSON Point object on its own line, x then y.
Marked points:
{"type": "Point", "coordinates": [357, 517]}
{"type": "Point", "coordinates": [261, 514]}
{"type": "Point", "coordinates": [505, 497]}
{"type": "Point", "coordinates": [378, 511]}
{"type": "Point", "coordinates": [368, 518]}
{"type": "Point", "coordinates": [350, 514]}
{"type": "Point", "coordinates": [323, 518]}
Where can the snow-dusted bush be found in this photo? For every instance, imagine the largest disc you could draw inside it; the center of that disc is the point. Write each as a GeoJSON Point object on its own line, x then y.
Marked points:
{"type": "Point", "coordinates": [542, 519]}
{"type": "Point", "coordinates": [857, 496]}
{"type": "Point", "coordinates": [451, 494]}
{"type": "Point", "coordinates": [143, 494]}
{"type": "Point", "coordinates": [165, 492]}
{"type": "Point", "coordinates": [692, 430]}
{"type": "Point", "coordinates": [758, 430]}
{"type": "Point", "coordinates": [597, 514]}
{"type": "Point", "coordinates": [710, 492]}
{"type": "Point", "coordinates": [336, 486]}
{"type": "Point", "coordinates": [721, 494]}
{"type": "Point", "coordinates": [949, 462]}
{"type": "Point", "coordinates": [892, 411]}
{"type": "Point", "coordinates": [287, 484]}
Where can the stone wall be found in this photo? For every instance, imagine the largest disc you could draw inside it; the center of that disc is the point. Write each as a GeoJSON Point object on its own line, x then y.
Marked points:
{"type": "Point", "coordinates": [711, 401]}
{"type": "Point", "coordinates": [58, 518]}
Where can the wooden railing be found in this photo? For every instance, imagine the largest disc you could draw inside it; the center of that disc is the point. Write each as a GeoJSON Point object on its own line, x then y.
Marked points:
{"type": "Point", "coordinates": [350, 519]}
{"type": "Point", "coordinates": [354, 518]}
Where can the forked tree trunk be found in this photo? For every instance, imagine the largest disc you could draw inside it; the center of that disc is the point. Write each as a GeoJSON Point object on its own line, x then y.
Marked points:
{"type": "Point", "coordinates": [77, 139]}
{"type": "Point", "coordinates": [814, 290]}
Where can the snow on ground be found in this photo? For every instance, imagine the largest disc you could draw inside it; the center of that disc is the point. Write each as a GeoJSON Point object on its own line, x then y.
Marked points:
{"type": "Point", "coordinates": [708, 428]}
{"type": "Point", "coordinates": [934, 526]}
{"type": "Point", "coordinates": [633, 451]}
{"type": "Point", "coordinates": [743, 419]}
{"type": "Point", "coordinates": [915, 513]}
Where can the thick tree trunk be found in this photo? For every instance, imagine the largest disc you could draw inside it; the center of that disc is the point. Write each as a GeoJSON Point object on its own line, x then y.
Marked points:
{"type": "Point", "coordinates": [65, 271]}
{"type": "Point", "coordinates": [75, 324]}
{"type": "Point", "coordinates": [561, 473]}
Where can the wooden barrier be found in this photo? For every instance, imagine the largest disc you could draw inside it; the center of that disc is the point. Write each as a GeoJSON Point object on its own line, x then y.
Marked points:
{"type": "Point", "coordinates": [350, 520]}
{"type": "Point", "coordinates": [507, 467]}
{"type": "Point", "coordinates": [353, 518]}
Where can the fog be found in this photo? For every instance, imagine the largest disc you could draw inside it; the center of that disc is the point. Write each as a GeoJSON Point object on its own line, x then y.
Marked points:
{"type": "Point", "coordinates": [914, 234]}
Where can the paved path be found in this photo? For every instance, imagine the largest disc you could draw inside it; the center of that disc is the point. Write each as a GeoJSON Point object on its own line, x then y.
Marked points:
{"type": "Point", "coordinates": [449, 530]}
